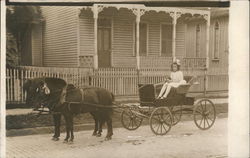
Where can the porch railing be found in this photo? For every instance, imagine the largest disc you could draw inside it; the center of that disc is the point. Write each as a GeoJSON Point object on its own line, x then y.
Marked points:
{"type": "Point", "coordinates": [165, 62]}
{"type": "Point", "coordinates": [120, 81]}
{"type": "Point", "coordinates": [193, 62]}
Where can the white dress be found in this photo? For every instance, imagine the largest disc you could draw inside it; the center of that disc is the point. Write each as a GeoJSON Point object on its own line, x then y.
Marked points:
{"type": "Point", "coordinates": [177, 79]}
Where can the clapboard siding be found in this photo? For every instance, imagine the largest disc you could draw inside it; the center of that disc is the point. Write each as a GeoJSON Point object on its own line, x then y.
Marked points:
{"type": "Point", "coordinates": [60, 36]}
{"type": "Point", "coordinates": [86, 23]}
{"type": "Point", "coordinates": [154, 39]}
{"type": "Point", "coordinates": [123, 44]}
{"type": "Point", "coordinates": [223, 44]}
{"type": "Point", "coordinates": [154, 21]}
{"type": "Point", "coordinates": [191, 36]}
{"type": "Point", "coordinates": [37, 45]}
{"type": "Point", "coordinates": [180, 40]}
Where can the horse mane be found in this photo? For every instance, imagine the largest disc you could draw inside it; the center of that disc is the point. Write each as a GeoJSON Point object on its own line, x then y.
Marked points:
{"type": "Point", "coordinates": [55, 83]}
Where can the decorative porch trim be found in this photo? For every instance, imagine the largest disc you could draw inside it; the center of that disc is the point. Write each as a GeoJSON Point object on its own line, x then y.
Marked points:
{"type": "Point", "coordinates": [144, 9]}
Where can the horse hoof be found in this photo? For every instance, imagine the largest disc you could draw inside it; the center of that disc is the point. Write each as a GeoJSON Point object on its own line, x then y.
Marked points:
{"type": "Point", "coordinates": [98, 135]}
{"type": "Point", "coordinates": [94, 134]}
{"type": "Point", "coordinates": [55, 139]}
{"type": "Point", "coordinates": [65, 141]}
{"type": "Point", "coordinates": [70, 141]}
{"type": "Point", "coordinates": [108, 138]}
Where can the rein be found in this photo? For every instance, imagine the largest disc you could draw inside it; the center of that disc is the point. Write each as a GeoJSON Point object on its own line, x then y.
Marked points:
{"type": "Point", "coordinates": [62, 99]}
{"type": "Point", "coordinates": [45, 112]}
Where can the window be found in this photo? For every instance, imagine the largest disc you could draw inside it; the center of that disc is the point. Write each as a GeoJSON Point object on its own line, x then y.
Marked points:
{"type": "Point", "coordinates": [198, 39]}
{"type": "Point", "coordinates": [143, 37]}
{"type": "Point", "coordinates": [216, 40]}
{"type": "Point", "coordinates": [166, 40]}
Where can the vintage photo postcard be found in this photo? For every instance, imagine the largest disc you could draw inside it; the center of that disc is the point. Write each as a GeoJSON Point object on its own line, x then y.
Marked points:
{"type": "Point", "coordinates": [163, 79]}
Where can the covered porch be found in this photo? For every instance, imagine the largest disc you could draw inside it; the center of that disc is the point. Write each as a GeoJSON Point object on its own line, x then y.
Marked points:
{"type": "Point", "coordinates": [115, 35]}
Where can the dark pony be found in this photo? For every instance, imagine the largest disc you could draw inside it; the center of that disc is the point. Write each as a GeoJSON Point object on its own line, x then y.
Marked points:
{"type": "Point", "coordinates": [67, 100]}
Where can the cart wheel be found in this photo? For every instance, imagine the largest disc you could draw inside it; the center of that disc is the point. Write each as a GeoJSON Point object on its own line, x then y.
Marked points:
{"type": "Point", "coordinates": [130, 120]}
{"type": "Point", "coordinates": [204, 114]}
{"type": "Point", "coordinates": [176, 113]}
{"type": "Point", "coordinates": [161, 121]}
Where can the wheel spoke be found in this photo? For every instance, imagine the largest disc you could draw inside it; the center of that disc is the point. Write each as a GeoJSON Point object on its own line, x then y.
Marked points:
{"type": "Point", "coordinates": [125, 114]}
{"type": "Point", "coordinates": [132, 120]}
{"type": "Point", "coordinates": [158, 115]}
{"type": "Point", "coordinates": [199, 109]}
{"type": "Point", "coordinates": [164, 127]}
{"type": "Point", "coordinates": [155, 125]}
{"type": "Point", "coordinates": [168, 116]}
{"type": "Point", "coordinates": [210, 119]}
{"type": "Point", "coordinates": [207, 121]}
{"type": "Point", "coordinates": [158, 128]}
{"type": "Point", "coordinates": [201, 106]}
{"type": "Point", "coordinates": [129, 122]}
{"type": "Point", "coordinates": [156, 119]}
{"type": "Point", "coordinates": [161, 128]}
{"type": "Point", "coordinates": [204, 122]}
{"type": "Point", "coordinates": [201, 121]}
{"type": "Point", "coordinates": [199, 112]}
{"type": "Point", "coordinates": [137, 122]}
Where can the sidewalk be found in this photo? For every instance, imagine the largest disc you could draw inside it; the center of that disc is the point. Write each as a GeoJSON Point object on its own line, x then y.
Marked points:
{"type": "Point", "coordinates": [22, 121]}
{"type": "Point", "coordinates": [131, 100]}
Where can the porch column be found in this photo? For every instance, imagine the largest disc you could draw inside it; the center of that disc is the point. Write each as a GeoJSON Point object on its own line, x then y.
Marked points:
{"type": "Point", "coordinates": [95, 14]}
{"type": "Point", "coordinates": [138, 17]}
{"type": "Point", "coordinates": [174, 16]}
{"type": "Point", "coordinates": [207, 17]}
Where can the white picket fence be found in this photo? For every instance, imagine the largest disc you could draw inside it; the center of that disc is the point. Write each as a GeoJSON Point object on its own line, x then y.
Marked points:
{"type": "Point", "coordinates": [120, 81]}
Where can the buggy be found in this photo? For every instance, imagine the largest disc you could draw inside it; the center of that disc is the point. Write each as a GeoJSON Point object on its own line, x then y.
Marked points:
{"type": "Point", "coordinates": [165, 113]}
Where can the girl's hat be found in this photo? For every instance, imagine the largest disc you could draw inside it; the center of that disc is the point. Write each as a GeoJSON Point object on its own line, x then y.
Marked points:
{"type": "Point", "coordinates": [178, 62]}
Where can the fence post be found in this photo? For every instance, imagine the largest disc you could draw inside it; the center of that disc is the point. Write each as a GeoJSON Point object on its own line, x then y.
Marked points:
{"type": "Point", "coordinates": [205, 81]}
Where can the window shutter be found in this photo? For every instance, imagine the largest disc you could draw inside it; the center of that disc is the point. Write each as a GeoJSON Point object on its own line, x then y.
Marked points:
{"type": "Point", "coordinates": [143, 39]}
{"type": "Point", "coordinates": [198, 40]}
{"type": "Point", "coordinates": [166, 40]}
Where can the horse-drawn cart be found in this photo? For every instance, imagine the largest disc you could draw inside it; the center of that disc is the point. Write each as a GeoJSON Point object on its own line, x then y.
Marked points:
{"type": "Point", "coordinates": [165, 113]}
{"type": "Point", "coordinates": [66, 99]}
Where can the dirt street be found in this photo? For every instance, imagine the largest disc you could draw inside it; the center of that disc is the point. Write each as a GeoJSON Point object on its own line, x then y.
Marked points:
{"type": "Point", "coordinates": [184, 140]}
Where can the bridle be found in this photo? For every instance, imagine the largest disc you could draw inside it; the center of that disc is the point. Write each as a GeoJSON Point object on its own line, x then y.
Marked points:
{"type": "Point", "coordinates": [43, 95]}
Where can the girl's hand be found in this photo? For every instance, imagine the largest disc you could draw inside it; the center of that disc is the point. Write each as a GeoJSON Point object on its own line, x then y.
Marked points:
{"type": "Point", "coordinates": [168, 80]}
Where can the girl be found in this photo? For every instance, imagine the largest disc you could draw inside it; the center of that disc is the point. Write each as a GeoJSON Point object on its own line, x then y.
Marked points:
{"type": "Point", "coordinates": [175, 80]}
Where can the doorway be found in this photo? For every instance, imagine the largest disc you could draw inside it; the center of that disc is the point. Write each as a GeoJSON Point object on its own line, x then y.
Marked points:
{"type": "Point", "coordinates": [104, 42]}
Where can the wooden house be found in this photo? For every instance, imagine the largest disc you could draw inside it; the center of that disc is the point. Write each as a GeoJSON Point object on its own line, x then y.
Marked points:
{"type": "Point", "coordinates": [130, 35]}
{"type": "Point", "coordinates": [117, 40]}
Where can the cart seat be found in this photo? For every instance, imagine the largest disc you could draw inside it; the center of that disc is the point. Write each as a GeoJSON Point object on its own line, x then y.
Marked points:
{"type": "Point", "coordinates": [146, 94]}
{"type": "Point", "coordinates": [182, 89]}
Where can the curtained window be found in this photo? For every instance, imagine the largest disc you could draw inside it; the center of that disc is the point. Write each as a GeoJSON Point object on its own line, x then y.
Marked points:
{"type": "Point", "coordinates": [198, 40]}
{"type": "Point", "coordinates": [143, 38]}
{"type": "Point", "coordinates": [166, 40]}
